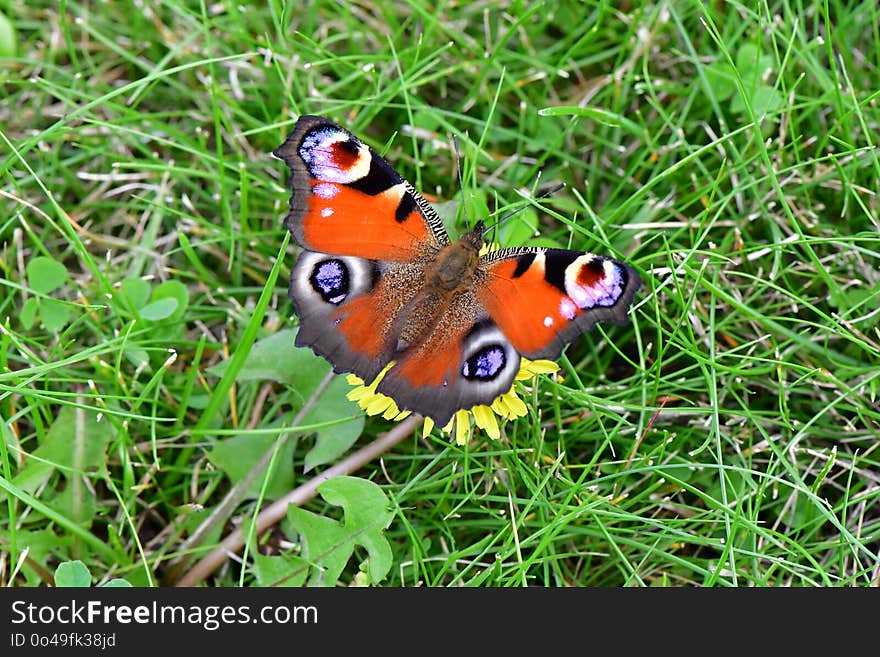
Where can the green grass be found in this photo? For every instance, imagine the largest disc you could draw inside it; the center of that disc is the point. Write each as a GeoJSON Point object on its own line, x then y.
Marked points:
{"type": "Point", "coordinates": [727, 436]}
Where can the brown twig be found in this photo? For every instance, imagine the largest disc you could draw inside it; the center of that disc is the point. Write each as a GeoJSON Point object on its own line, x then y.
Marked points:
{"type": "Point", "coordinates": [278, 509]}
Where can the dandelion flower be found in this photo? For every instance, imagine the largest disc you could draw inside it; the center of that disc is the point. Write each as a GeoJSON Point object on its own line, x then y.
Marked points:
{"type": "Point", "coordinates": [507, 406]}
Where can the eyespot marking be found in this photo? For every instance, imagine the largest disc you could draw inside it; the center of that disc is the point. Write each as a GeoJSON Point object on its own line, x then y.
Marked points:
{"type": "Point", "coordinates": [330, 279]}
{"type": "Point", "coordinates": [485, 364]}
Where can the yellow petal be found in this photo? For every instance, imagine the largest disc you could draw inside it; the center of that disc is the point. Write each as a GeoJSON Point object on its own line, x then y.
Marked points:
{"type": "Point", "coordinates": [516, 406]}
{"type": "Point", "coordinates": [392, 410]}
{"type": "Point", "coordinates": [485, 419]}
{"type": "Point", "coordinates": [543, 366]}
{"type": "Point", "coordinates": [462, 427]}
{"type": "Point", "coordinates": [427, 427]}
{"type": "Point", "coordinates": [381, 374]}
{"type": "Point", "coordinates": [358, 393]}
{"type": "Point", "coordinates": [377, 405]}
{"type": "Point", "coordinates": [500, 408]}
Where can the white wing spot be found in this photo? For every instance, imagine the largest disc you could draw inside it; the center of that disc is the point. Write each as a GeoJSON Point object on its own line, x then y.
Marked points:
{"type": "Point", "coordinates": [318, 151]}
{"type": "Point", "coordinates": [326, 212]}
{"type": "Point", "coordinates": [605, 291]}
{"type": "Point", "coordinates": [567, 308]}
{"type": "Point", "coordinates": [325, 190]}
{"type": "Point", "coordinates": [548, 321]}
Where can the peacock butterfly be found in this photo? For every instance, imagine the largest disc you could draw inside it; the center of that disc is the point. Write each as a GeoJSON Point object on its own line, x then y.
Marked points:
{"type": "Point", "coordinates": [378, 280]}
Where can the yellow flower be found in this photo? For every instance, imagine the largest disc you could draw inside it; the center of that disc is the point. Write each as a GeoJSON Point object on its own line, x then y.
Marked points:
{"type": "Point", "coordinates": [507, 406]}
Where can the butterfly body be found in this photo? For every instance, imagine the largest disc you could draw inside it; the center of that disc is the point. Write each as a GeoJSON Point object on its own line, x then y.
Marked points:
{"type": "Point", "coordinates": [379, 280]}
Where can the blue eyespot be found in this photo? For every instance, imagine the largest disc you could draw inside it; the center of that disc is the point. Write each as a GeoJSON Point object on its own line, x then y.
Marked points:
{"type": "Point", "coordinates": [486, 364]}
{"type": "Point", "coordinates": [330, 279]}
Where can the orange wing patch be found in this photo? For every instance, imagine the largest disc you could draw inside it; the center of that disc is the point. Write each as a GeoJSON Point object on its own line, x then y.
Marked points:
{"type": "Point", "coordinates": [435, 365]}
{"type": "Point", "coordinates": [340, 219]}
{"type": "Point", "coordinates": [507, 299]}
{"type": "Point", "coordinates": [361, 322]}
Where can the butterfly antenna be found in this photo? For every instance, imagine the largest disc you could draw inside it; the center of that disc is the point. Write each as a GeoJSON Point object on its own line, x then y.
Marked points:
{"type": "Point", "coordinates": [512, 213]}
{"type": "Point", "coordinates": [458, 169]}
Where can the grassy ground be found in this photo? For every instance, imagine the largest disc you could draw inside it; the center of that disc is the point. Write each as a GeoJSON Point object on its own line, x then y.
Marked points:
{"type": "Point", "coordinates": [727, 436]}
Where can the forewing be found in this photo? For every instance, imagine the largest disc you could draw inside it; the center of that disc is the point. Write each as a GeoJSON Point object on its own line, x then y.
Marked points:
{"type": "Point", "coordinates": [542, 299]}
{"type": "Point", "coordinates": [347, 200]}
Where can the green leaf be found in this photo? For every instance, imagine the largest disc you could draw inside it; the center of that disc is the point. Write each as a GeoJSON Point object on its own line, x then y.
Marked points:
{"type": "Point", "coordinates": [161, 309]}
{"type": "Point", "coordinates": [137, 291]}
{"type": "Point", "coordinates": [137, 356]}
{"type": "Point", "coordinates": [519, 228]}
{"type": "Point", "coordinates": [42, 545]}
{"type": "Point", "coordinates": [28, 314]}
{"type": "Point", "coordinates": [194, 518]}
{"type": "Point", "coordinates": [45, 274]}
{"type": "Point", "coordinates": [54, 314]}
{"type": "Point", "coordinates": [721, 80]}
{"type": "Point", "coordinates": [72, 574]}
{"type": "Point", "coordinates": [676, 472]}
{"type": "Point", "coordinates": [425, 119]}
{"type": "Point", "coordinates": [735, 484]}
{"type": "Point", "coordinates": [329, 544]}
{"type": "Point", "coordinates": [737, 105]}
{"type": "Point", "coordinates": [282, 570]}
{"type": "Point", "coordinates": [752, 68]}
{"type": "Point", "coordinates": [75, 442]}
{"type": "Point", "coordinates": [546, 243]}
{"type": "Point", "coordinates": [171, 328]}
{"type": "Point", "coordinates": [199, 402]}
{"type": "Point", "coordinates": [277, 359]}
{"type": "Point", "coordinates": [116, 583]}
{"type": "Point", "coordinates": [766, 100]}
{"type": "Point", "coordinates": [857, 300]}
{"type": "Point", "coordinates": [751, 65]}
{"type": "Point", "coordinates": [76, 502]}
{"type": "Point", "coordinates": [475, 207]}
{"type": "Point", "coordinates": [746, 57]}
{"type": "Point", "coordinates": [448, 211]}
{"type": "Point", "coordinates": [173, 290]}
{"type": "Point", "coordinates": [334, 439]}
{"type": "Point", "coordinates": [237, 456]}
{"type": "Point", "coordinates": [805, 511]}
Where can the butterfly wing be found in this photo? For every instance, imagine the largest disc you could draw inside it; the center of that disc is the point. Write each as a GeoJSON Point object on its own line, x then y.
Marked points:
{"type": "Point", "coordinates": [542, 299]}
{"type": "Point", "coordinates": [347, 200]}
{"type": "Point", "coordinates": [366, 234]}
{"type": "Point", "coordinates": [460, 365]}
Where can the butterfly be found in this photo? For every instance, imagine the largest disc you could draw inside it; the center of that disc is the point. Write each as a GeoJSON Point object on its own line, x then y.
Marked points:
{"type": "Point", "coordinates": [379, 280]}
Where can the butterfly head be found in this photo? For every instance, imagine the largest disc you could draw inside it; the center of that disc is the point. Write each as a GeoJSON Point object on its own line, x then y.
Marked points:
{"type": "Point", "coordinates": [474, 237]}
